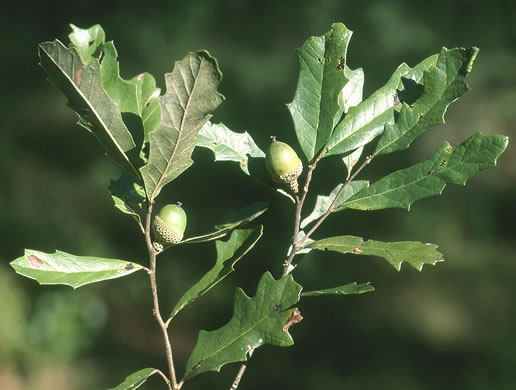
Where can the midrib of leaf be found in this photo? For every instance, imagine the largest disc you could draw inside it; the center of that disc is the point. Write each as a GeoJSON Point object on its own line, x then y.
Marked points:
{"type": "Point", "coordinates": [390, 190]}
{"type": "Point", "coordinates": [255, 325]}
{"type": "Point", "coordinates": [237, 338]}
{"type": "Point", "coordinates": [58, 49]}
{"type": "Point", "coordinates": [97, 115]}
{"type": "Point", "coordinates": [157, 186]}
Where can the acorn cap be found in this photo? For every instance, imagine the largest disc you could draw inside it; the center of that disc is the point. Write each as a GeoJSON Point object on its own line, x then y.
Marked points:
{"type": "Point", "coordinates": [164, 234]}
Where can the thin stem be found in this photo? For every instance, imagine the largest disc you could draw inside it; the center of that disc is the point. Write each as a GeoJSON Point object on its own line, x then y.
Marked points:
{"type": "Point", "coordinates": [165, 378]}
{"type": "Point", "coordinates": [300, 200]}
{"type": "Point", "coordinates": [238, 377]}
{"type": "Point", "coordinates": [332, 205]}
{"type": "Point", "coordinates": [154, 288]}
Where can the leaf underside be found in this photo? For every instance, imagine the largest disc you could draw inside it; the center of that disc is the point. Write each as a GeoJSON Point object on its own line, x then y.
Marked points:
{"type": "Point", "coordinates": [228, 145]}
{"type": "Point", "coordinates": [97, 112]}
{"type": "Point", "coordinates": [70, 270]}
{"type": "Point", "coordinates": [191, 95]}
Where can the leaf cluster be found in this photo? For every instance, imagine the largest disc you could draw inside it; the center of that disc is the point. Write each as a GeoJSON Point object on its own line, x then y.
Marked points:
{"type": "Point", "coordinates": [152, 137]}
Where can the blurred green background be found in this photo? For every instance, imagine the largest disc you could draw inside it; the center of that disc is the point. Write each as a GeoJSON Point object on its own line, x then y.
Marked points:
{"type": "Point", "coordinates": [451, 326]}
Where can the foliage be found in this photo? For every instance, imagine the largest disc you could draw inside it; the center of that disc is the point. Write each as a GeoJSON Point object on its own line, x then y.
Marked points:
{"type": "Point", "coordinates": [152, 137]}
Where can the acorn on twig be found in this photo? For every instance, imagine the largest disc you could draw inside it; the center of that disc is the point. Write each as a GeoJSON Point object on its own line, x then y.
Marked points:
{"type": "Point", "coordinates": [169, 226]}
{"type": "Point", "coordinates": [283, 164]}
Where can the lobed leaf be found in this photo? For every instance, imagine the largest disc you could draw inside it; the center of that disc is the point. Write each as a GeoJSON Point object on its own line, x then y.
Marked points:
{"type": "Point", "coordinates": [81, 83]}
{"type": "Point", "coordinates": [228, 254]}
{"type": "Point", "coordinates": [454, 165]}
{"type": "Point", "coordinates": [442, 84]}
{"type": "Point", "coordinates": [323, 76]}
{"type": "Point", "coordinates": [263, 319]}
{"type": "Point", "coordinates": [347, 289]}
{"type": "Point", "coordinates": [70, 270]}
{"type": "Point", "coordinates": [190, 98]}
{"type": "Point", "coordinates": [367, 120]}
{"type": "Point", "coordinates": [137, 379]}
{"type": "Point", "coordinates": [228, 145]}
{"type": "Point", "coordinates": [414, 253]}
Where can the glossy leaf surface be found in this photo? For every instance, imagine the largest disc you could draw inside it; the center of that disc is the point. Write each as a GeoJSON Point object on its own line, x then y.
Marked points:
{"type": "Point", "coordinates": [441, 85]}
{"type": "Point", "coordinates": [367, 120]}
{"type": "Point", "coordinates": [318, 101]}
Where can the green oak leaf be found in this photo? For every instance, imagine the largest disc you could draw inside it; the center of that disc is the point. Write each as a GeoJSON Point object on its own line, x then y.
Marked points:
{"type": "Point", "coordinates": [347, 289]}
{"type": "Point", "coordinates": [228, 254]}
{"type": "Point", "coordinates": [367, 120]}
{"type": "Point", "coordinates": [88, 42]}
{"type": "Point", "coordinates": [124, 92]}
{"type": "Point", "coordinates": [352, 159]}
{"type": "Point", "coordinates": [191, 95]}
{"type": "Point", "coordinates": [128, 195]}
{"type": "Point", "coordinates": [148, 102]}
{"type": "Point", "coordinates": [137, 379]}
{"type": "Point", "coordinates": [442, 84]}
{"type": "Point", "coordinates": [413, 253]}
{"type": "Point", "coordinates": [454, 165]}
{"type": "Point", "coordinates": [228, 145]}
{"type": "Point", "coordinates": [81, 83]}
{"type": "Point", "coordinates": [263, 319]}
{"type": "Point", "coordinates": [319, 102]}
{"type": "Point", "coordinates": [70, 270]}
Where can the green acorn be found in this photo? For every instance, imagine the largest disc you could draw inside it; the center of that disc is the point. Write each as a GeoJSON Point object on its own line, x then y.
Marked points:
{"type": "Point", "coordinates": [283, 164]}
{"type": "Point", "coordinates": [169, 226]}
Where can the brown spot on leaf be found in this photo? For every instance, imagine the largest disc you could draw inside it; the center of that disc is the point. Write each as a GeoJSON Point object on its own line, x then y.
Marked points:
{"type": "Point", "coordinates": [342, 63]}
{"type": "Point", "coordinates": [78, 76]}
{"type": "Point", "coordinates": [358, 250]}
{"type": "Point", "coordinates": [294, 318]}
{"type": "Point", "coordinates": [35, 262]}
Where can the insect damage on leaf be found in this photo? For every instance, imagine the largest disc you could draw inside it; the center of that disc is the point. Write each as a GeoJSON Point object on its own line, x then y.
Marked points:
{"type": "Point", "coordinates": [78, 76]}
{"type": "Point", "coordinates": [35, 262]}
{"type": "Point", "coordinates": [294, 318]}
